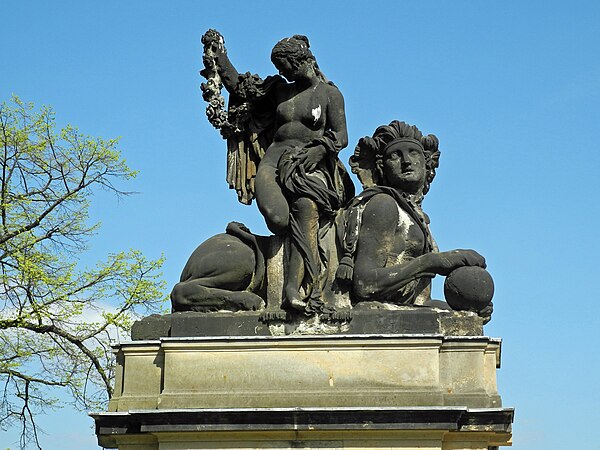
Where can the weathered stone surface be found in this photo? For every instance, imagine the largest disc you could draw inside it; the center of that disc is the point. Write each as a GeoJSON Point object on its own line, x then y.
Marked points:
{"type": "Point", "coordinates": [312, 264]}
{"type": "Point", "coordinates": [433, 428]}
{"type": "Point", "coordinates": [243, 323]}
{"type": "Point", "coordinates": [307, 371]}
{"type": "Point", "coordinates": [405, 320]}
{"type": "Point", "coordinates": [415, 320]}
{"type": "Point", "coordinates": [469, 288]}
{"type": "Point", "coordinates": [323, 335]}
{"type": "Point", "coordinates": [151, 327]}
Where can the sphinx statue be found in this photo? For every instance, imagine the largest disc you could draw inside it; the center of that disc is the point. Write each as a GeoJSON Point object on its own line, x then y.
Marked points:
{"type": "Point", "coordinates": [389, 254]}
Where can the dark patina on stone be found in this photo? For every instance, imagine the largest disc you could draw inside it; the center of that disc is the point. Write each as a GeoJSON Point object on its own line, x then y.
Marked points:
{"type": "Point", "coordinates": [327, 327]}
{"type": "Point", "coordinates": [109, 426]}
{"type": "Point", "coordinates": [333, 256]}
{"type": "Point", "coordinates": [408, 320]}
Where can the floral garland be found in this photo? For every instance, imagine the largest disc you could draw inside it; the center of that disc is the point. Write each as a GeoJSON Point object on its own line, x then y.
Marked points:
{"type": "Point", "coordinates": [234, 120]}
{"type": "Point", "coordinates": [211, 90]}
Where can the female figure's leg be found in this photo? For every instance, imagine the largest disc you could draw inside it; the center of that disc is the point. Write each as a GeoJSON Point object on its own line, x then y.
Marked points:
{"type": "Point", "coordinates": [304, 250]}
{"type": "Point", "coordinates": [296, 216]}
{"type": "Point", "coordinates": [271, 202]}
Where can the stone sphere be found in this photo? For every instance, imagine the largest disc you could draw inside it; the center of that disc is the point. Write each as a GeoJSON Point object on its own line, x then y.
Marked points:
{"type": "Point", "coordinates": [469, 288]}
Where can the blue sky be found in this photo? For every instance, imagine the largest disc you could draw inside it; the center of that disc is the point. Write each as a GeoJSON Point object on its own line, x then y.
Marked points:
{"type": "Point", "coordinates": [511, 88]}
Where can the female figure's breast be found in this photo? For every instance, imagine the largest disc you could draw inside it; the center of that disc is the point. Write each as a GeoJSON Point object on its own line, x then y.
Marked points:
{"type": "Point", "coordinates": [303, 115]}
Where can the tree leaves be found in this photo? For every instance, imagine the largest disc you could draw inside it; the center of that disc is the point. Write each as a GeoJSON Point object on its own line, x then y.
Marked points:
{"type": "Point", "coordinates": [57, 322]}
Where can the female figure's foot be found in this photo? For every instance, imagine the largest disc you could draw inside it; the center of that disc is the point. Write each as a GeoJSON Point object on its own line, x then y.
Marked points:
{"type": "Point", "coordinates": [294, 300]}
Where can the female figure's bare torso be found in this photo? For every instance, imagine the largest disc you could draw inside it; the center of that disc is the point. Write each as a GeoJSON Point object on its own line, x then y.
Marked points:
{"type": "Point", "coordinates": [300, 118]}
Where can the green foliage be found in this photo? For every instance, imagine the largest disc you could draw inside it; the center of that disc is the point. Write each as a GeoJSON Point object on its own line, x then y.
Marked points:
{"type": "Point", "coordinates": [57, 322]}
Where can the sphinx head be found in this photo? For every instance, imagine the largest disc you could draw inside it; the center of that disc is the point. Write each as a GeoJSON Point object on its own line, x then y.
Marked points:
{"type": "Point", "coordinates": [398, 156]}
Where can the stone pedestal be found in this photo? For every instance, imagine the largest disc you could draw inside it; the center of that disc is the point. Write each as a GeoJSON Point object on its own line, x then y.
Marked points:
{"type": "Point", "coordinates": [334, 391]}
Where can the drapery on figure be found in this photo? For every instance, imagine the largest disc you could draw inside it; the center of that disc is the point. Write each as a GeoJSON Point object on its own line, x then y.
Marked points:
{"type": "Point", "coordinates": [283, 139]}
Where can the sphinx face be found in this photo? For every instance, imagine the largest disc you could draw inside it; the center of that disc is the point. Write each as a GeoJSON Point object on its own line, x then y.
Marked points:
{"type": "Point", "coordinates": [404, 166]}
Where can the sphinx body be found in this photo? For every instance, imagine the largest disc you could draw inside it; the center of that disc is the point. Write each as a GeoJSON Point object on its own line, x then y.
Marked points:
{"type": "Point", "coordinates": [223, 273]}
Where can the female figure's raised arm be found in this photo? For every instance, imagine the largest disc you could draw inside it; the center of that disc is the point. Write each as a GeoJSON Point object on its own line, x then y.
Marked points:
{"type": "Point", "coordinates": [215, 51]}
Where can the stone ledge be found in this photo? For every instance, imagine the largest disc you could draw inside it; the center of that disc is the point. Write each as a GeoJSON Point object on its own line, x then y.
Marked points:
{"type": "Point", "coordinates": [408, 320]}
{"type": "Point", "coordinates": [495, 421]}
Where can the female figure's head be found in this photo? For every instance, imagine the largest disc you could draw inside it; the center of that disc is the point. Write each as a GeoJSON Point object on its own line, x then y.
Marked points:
{"type": "Point", "coordinates": [291, 56]}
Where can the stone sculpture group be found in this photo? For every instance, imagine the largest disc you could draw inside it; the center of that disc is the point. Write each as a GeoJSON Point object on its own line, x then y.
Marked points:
{"type": "Point", "coordinates": [323, 334]}
{"type": "Point", "coordinates": [339, 251]}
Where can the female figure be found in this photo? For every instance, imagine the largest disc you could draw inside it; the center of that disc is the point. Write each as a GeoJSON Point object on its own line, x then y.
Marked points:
{"type": "Point", "coordinates": [300, 125]}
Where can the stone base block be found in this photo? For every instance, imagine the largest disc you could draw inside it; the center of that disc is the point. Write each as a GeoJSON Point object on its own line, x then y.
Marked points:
{"type": "Point", "coordinates": [307, 371]}
{"type": "Point", "coordinates": [407, 320]}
